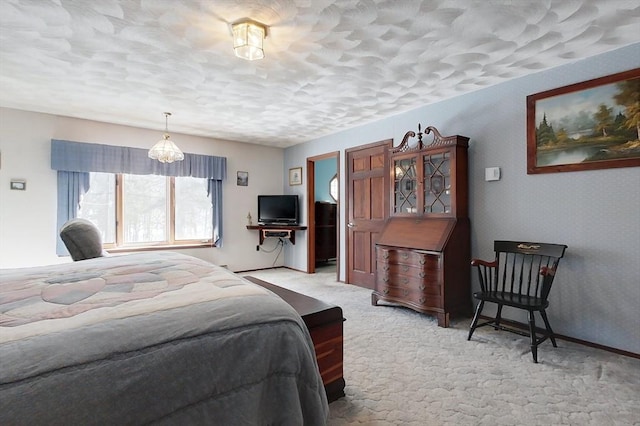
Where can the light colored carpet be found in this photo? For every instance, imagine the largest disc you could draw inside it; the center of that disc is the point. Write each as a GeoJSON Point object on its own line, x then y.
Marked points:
{"type": "Point", "coordinates": [402, 369]}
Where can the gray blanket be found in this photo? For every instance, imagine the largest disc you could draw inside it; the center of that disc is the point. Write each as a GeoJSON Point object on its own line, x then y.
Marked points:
{"type": "Point", "coordinates": [152, 338]}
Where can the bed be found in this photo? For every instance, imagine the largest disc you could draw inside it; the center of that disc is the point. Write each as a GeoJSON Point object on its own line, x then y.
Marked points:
{"type": "Point", "coordinates": [152, 338]}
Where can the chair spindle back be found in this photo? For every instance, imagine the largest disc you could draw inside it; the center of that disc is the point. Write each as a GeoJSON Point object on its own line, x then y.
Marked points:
{"type": "Point", "coordinates": [525, 269]}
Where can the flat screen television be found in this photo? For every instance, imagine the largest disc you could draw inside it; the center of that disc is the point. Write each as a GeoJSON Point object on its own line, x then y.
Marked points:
{"type": "Point", "coordinates": [278, 209]}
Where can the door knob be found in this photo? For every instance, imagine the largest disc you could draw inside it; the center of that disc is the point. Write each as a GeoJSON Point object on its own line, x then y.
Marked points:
{"type": "Point", "coordinates": [351, 225]}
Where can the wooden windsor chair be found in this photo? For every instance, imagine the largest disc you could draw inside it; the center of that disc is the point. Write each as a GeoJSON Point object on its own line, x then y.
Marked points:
{"type": "Point", "coordinates": [520, 276]}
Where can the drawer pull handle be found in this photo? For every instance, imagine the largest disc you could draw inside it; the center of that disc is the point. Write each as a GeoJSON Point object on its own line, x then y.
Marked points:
{"type": "Point", "coordinates": [423, 261]}
{"type": "Point", "coordinates": [385, 279]}
{"type": "Point", "coordinates": [421, 287]}
{"type": "Point", "coordinates": [405, 281]}
{"type": "Point", "coordinates": [385, 291]}
{"type": "Point", "coordinates": [405, 292]}
{"type": "Point", "coordinates": [405, 268]}
{"type": "Point", "coordinates": [385, 268]}
{"type": "Point", "coordinates": [422, 274]}
{"type": "Point", "coordinates": [385, 255]}
{"type": "Point", "coordinates": [405, 255]}
{"type": "Point", "coordinates": [422, 300]}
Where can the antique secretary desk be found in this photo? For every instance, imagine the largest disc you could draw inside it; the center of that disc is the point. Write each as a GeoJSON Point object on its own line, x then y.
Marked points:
{"type": "Point", "coordinates": [423, 253]}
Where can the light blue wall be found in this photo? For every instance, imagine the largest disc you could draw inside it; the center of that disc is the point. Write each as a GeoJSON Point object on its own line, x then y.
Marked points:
{"type": "Point", "coordinates": [325, 170]}
{"type": "Point", "coordinates": [596, 213]}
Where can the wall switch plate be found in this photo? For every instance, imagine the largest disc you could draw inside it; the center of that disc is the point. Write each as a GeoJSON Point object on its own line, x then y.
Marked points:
{"type": "Point", "coordinates": [492, 173]}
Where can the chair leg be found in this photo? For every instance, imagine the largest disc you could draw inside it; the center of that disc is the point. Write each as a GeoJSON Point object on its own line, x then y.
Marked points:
{"type": "Point", "coordinates": [476, 316]}
{"type": "Point", "coordinates": [543, 314]}
{"type": "Point", "coordinates": [498, 317]}
{"type": "Point", "coordinates": [534, 341]}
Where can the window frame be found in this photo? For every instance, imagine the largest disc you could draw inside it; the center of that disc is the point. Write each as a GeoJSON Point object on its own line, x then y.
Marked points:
{"type": "Point", "coordinates": [170, 243]}
{"type": "Point", "coordinates": [334, 190]}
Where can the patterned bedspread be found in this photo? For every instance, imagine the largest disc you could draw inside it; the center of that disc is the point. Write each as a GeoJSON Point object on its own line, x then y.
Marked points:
{"type": "Point", "coordinates": [151, 337]}
{"type": "Point", "coordinates": [158, 281]}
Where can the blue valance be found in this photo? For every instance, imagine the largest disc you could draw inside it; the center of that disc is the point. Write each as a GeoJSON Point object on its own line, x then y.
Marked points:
{"type": "Point", "coordinates": [88, 157]}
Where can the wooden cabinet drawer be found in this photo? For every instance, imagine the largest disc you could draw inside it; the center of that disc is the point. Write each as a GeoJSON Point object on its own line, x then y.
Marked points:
{"type": "Point", "coordinates": [412, 296]}
{"type": "Point", "coordinates": [424, 261]}
{"type": "Point", "coordinates": [407, 271]}
{"type": "Point", "coordinates": [411, 284]}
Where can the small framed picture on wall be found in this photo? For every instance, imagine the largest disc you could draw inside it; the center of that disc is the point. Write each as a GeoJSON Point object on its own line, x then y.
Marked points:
{"type": "Point", "coordinates": [295, 176]}
{"type": "Point", "coordinates": [242, 179]}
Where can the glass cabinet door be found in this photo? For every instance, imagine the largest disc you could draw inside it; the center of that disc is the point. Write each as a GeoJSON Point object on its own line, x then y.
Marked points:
{"type": "Point", "coordinates": [405, 185]}
{"type": "Point", "coordinates": [437, 183]}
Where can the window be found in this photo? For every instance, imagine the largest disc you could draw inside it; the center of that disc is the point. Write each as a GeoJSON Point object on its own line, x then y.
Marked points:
{"type": "Point", "coordinates": [193, 215]}
{"type": "Point", "coordinates": [183, 214]}
{"type": "Point", "coordinates": [144, 209]}
{"type": "Point", "coordinates": [99, 205]}
{"type": "Point", "coordinates": [148, 210]}
{"type": "Point", "coordinates": [333, 187]}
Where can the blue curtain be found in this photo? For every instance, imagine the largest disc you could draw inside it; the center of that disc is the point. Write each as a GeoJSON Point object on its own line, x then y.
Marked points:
{"type": "Point", "coordinates": [71, 187]}
{"type": "Point", "coordinates": [78, 158]}
{"type": "Point", "coordinates": [214, 190]}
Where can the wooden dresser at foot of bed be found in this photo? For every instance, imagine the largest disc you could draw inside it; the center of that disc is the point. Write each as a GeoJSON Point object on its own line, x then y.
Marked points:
{"type": "Point", "coordinates": [324, 322]}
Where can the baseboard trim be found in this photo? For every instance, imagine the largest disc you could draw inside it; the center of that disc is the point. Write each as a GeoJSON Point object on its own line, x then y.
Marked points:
{"type": "Point", "coordinates": [294, 269]}
{"type": "Point", "coordinates": [258, 269]}
{"type": "Point", "coordinates": [270, 267]}
{"type": "Point", "coordinates": [525, 327]}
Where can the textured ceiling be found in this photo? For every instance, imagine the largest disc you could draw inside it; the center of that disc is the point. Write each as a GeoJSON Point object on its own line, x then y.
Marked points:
{"type": "Point", "coordinates": [329, 65]}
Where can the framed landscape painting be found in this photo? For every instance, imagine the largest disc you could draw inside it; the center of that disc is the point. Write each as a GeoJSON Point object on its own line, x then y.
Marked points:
{"type": "Point", "coordinates": [585, 126]}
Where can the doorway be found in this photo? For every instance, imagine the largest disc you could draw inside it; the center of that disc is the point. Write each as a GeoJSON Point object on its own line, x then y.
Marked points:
{"type": "Point", "coordinates": [323, 209]}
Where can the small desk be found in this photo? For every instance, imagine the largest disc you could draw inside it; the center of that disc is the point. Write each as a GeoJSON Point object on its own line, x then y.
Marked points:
{"type": "Point", "coordinates": [324, 322]}
{"type": "Point", "coordinates": [266, 231]}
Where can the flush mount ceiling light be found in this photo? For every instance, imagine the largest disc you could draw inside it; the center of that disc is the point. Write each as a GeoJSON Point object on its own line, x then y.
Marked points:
{"type": "Point", "coordinates": [165, 151]}
{"type": "Point", "coordinates": [248, 36]}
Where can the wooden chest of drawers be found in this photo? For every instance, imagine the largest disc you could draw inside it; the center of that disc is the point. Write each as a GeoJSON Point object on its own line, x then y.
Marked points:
{"type": "Point", "coordinates": [423, 252]}
{"type": "Point", "coordinates": [434, 281]}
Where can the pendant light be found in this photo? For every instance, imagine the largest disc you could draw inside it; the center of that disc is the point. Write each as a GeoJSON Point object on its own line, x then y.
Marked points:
{"type": "Point", "coordinates": [165, 151]}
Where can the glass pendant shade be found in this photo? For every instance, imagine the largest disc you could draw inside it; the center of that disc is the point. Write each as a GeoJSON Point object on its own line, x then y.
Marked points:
{"type": "Point", "coordinates": [247, 40]}
{"type": "Point", "coordinates": [165, 151]}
